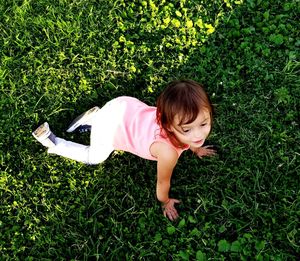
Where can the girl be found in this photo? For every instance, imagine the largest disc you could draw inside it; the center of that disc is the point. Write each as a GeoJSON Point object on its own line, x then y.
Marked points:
{"type": "Point", "coordinates": [181, 120]}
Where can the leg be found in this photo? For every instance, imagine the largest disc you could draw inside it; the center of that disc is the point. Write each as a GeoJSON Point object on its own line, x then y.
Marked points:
{"type": "Point", "coordinates": [104, 127]}
{"type": "Point", "coordinates": [79, 152]}
{"type": "Point", "coordinates": [69, 149]}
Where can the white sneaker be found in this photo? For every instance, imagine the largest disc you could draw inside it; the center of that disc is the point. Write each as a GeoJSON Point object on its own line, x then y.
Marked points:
{"type": "Point", "coordinates": [44, 135]}
{"type": "Point", "coordinates": [82, 119]}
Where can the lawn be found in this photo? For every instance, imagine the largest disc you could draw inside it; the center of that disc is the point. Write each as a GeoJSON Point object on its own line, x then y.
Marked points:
{"type": "Point", "coordinates": [61, 57]}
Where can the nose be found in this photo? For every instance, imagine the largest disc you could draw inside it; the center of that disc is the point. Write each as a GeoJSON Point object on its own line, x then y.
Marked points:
{"type": "Point", "coordinates": [198, 134]}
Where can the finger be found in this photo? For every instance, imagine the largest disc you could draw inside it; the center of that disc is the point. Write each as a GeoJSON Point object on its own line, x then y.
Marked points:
{"type": "Point", "coordinates": [165, 213]}
{"type": "Point", "coordinates": [175, 215]}
{"type": "Point", "coordinates": [208, 146]}
{"type": "Point", "coordinates": [169, 215]}
{"type": "Point", "coordinates": [213, 147]}
{"type": "Point", "coordinates": [176, 201]}
{"type": "Point", "coordinates": [172, 215]}
{"type": "Point", "coordinates": [211, 152]}
{"type": "Point", "coordinates": [210, 149]}
{"type": "Point", "coordinates": [169, 211]}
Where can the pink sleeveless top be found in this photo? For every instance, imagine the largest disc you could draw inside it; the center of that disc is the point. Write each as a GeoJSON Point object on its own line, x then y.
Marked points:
{"type": "Point", "coordinates": [139, 130]}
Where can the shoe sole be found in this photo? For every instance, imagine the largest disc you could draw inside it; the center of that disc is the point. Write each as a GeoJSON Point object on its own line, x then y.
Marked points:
{"type": "Point", "coordinates": [82, 118]}
{"type": "Point", "coordinates": [41, 131]}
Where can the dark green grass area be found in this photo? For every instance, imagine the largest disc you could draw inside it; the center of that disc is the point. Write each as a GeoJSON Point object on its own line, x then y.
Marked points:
{"type": "Point", "coordinates": [59, 58]}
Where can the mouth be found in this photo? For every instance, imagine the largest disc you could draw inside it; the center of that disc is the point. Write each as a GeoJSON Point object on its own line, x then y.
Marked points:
{"type": "Point", "coordinates": [198, 142]}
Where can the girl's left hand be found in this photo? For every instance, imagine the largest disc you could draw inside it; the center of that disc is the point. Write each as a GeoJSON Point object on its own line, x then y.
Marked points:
{"type": "Point", "coordinates": [206, 151]}
{"type": "Point", "coordinates": [169, 209]}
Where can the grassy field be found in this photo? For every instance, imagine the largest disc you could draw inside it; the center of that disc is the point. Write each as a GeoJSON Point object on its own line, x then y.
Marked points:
{"type": "Point", "coordinates": [61, 57]}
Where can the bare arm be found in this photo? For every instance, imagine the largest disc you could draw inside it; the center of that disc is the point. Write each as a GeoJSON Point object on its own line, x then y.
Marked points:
{"type": "Point", "coordinates": [166, 161]}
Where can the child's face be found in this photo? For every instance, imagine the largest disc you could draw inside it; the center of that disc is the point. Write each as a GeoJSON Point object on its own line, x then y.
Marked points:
{"type": "Point", "coordinates": [194, 133]}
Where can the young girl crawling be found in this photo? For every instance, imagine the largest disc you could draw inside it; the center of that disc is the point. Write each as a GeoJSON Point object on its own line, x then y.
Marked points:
{"type": "Point", "coordinates": [181, 120]}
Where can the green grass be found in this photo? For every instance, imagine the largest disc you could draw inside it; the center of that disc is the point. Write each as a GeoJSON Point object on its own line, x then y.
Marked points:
{"type": "Point", "coordinates": [59, 58]}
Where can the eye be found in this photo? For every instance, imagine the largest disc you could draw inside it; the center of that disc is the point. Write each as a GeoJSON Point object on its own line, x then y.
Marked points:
{"type": "Point", "coordinates": [203, 124]}
{"type": "Point", "coordinates": [186, 130]}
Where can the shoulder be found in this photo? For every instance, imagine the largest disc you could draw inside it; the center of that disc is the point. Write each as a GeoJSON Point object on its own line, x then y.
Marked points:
{"type": "Point", "coordinates": [164, 151]}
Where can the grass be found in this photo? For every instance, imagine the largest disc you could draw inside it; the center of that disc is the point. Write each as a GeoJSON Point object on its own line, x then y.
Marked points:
{"type": "Point", "coordinates": [59, 58]}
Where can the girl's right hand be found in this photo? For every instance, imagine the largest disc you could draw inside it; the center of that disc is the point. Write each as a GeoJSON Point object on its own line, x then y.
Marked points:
{"type": "Point", "coordinates": [169, 209]}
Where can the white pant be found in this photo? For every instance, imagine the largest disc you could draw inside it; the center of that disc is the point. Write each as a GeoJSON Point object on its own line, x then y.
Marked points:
{"type": "Point", "coordinates": [104, 127]}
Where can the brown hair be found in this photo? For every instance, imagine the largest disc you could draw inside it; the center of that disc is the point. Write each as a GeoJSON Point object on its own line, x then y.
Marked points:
{"type": "Point", "coordinates": [185, 98]}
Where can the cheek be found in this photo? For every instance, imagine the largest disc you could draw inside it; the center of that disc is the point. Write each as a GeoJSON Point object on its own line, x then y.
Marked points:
{"type": "Point", "coordinates": [208, 129]}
